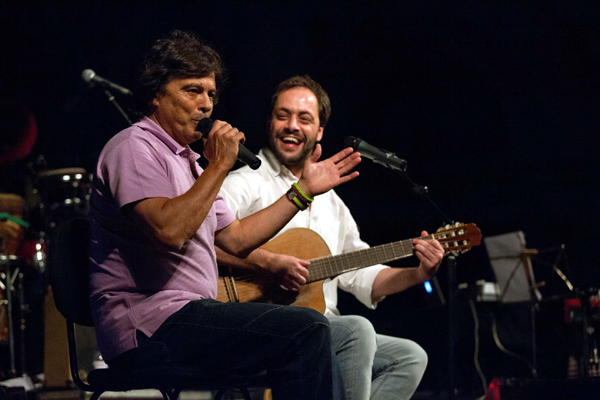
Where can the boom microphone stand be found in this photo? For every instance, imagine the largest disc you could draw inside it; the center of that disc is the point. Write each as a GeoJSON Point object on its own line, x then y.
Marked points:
{"type": "Point", "coordinates": [112, 100]}
{"type": "Point", "coordinates": [93, 80]}
{"type": "Point", "coordinates": [391, 161]}
{"type": "Point", "coordinates": [453, 310]}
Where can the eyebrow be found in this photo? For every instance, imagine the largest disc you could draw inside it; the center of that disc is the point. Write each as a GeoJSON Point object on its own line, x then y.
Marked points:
{"type": "Point", "coordinates": [302, 112]}
{"type": "Point", "coordinates": [198, 85]}
{"type": "Point", "coordinates": [192, 85]}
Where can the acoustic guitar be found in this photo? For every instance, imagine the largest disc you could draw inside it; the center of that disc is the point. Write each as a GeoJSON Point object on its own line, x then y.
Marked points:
{"type": "Point", "coordinates": [259, 285]}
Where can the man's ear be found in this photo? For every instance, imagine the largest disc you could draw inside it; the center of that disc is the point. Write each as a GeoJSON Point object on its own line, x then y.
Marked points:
{"type": "Point", "coordinates": [155, 101]}
{"type": "Point", "coordinates": [320, 133]}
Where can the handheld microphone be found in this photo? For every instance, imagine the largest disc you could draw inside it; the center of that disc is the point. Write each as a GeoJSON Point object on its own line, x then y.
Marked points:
{"type": "Point", "coordinates": [244, 155]}
{"type": "Point", "coordinates": [377, 155]}
{"type": "Point", "coordinates": [90, 77]}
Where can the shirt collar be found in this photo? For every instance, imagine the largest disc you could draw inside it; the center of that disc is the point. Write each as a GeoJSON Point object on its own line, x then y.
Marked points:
{"type": "Point", "coordinates": [152, 127]}
{"type": "Point", "coordinates": [276, 167]}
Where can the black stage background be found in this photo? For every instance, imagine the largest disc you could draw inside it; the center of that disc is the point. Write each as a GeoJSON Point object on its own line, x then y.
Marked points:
{"type": "Point", "coordinates": [496, 106]}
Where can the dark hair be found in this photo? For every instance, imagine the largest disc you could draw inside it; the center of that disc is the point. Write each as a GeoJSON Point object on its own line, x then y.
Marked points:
{"type": "Point", "coordinates": [306, 81]}
{"type": "Point", "coordinates": [180, 55]}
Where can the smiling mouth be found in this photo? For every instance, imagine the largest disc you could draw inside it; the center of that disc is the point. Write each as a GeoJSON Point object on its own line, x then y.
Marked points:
{"type": "Point", "coordinates": [290, 140]}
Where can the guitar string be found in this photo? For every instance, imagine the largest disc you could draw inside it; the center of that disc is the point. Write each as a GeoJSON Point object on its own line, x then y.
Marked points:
{"type": "Point", "coordinates": [355, 260]}
{"type": "Point", "coordinates": [317, 267]}
{"type": "Point", "coordinates": [327, 271]}
{"type": "Point", "coordinates": [332, 265]}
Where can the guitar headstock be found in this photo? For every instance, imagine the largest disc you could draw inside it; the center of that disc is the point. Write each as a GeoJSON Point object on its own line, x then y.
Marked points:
{"type": "Point", "coordinates": [458, 238]}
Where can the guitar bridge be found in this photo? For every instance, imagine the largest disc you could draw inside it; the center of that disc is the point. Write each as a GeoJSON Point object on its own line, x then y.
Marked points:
{"type": "Point", "coordinates": [230, 289]}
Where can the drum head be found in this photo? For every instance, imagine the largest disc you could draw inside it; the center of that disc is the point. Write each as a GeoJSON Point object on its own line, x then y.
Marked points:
{"type": "Point", "coordinates": [12, 204]}
{"type": "Point", "coordinates": [77, 173]}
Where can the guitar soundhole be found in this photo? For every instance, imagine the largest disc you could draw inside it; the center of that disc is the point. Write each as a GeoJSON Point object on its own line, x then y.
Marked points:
{"type": "Point", "coordinates": [282, 296]}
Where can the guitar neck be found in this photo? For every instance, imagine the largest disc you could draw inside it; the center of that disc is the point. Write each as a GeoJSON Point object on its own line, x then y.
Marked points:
{"type": "Point", "coordinates": [454, 239]}
{"type": "Point", "coordinates": [329, 267]}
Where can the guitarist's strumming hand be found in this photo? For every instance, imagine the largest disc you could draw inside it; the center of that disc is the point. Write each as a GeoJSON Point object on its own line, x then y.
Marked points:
{"type": "Point", "coordinates": [320, 176]}
{"type": "Point", "coordinates": [290, 272]}
{"type": "Point", "coordinates": [430, 254]}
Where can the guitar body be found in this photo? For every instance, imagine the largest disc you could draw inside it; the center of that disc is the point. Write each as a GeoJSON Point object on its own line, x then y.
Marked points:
{"type": "Point", "coordinates": [258, 285]}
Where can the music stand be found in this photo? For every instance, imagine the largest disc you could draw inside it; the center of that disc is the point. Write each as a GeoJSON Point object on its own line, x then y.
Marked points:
{"type": "Point", "coordinates": [512, 267]}
{"type": "Point", "coordinates": [511, 264]}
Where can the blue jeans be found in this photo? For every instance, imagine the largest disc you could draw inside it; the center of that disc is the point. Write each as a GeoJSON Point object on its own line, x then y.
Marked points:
{"type": "Point", "coordinates": [292, 344]}
{"type": "Point", "coordinates": [375, 366]}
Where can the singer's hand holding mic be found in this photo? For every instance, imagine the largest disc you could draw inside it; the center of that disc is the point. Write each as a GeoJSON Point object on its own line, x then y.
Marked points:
{"type": "Point", "coordinates": [244, 155]}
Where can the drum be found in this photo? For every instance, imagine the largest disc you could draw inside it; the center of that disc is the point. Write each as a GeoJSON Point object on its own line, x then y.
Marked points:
{"type": "Point", "coordinates": [11, 236]}
{"type": "Point", "coordinates": [64, 194]}
{"type": "Point", "coordinates": [11, 232]}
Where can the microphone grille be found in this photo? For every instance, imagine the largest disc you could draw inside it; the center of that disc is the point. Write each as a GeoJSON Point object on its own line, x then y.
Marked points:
{"type": "Point", "coordinates": [352, 141]}
{"type": "Point", "coordinates": [204, 126]}
{"type": "Point", "coordinates": [88, 75]}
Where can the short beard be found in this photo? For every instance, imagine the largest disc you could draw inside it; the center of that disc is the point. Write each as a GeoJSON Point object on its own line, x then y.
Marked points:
{"type": "Point", "coordinates": [292, 161]}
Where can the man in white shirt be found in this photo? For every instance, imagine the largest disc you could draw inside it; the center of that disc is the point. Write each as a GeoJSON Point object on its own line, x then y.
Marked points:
{"type": "Point", "coordinates": [372, 365]}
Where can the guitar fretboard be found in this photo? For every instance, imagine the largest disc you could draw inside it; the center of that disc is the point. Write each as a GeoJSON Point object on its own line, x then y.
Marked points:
{"type": "Point", "coordinates": [329, 267]}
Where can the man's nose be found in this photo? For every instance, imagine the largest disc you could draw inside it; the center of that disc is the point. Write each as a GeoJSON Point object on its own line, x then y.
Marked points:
{"type": "Point", "coordinates": [292, 124]}
{"type": "Point", "coordinates": [205, 103]}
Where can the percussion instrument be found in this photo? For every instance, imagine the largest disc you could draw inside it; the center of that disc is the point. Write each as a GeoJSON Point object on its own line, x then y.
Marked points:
{"type": "Point", "coordinates": [33, 251]}
{"type": "Point", "coordinates": [64, 194]}
{"type": "Point", "coordinates": [11, 231]}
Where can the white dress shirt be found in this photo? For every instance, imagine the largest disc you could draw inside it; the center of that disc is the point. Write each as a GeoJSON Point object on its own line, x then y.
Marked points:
{"type": "Point", "coordinates": [247, 191]}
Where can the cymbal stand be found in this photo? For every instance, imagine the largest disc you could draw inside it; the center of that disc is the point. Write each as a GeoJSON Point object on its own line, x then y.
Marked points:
{"type": "Point", "coordinates": [13, 276]}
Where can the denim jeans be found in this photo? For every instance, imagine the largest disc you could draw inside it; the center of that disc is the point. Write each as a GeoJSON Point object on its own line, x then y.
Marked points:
{"type": "Point", "coordinates": [375, 366]}
{"type": "Point", "coordinates": [292, 344]}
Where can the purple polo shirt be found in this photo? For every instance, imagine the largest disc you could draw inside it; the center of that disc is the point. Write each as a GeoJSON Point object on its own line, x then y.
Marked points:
{"type": "Point", "coordinates": [136, 283]}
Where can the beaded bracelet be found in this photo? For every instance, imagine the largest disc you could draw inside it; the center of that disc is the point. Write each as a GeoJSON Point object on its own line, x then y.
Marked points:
{"type": "Point", "coordinates": [301, 193]}
{"type": "Point", "coordinates": [297, 197]}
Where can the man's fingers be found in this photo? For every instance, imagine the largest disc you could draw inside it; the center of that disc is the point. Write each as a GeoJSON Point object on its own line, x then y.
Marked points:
{"type": "Point", "coordinates": [227, 130]}
{"type": "Point", "coordinates": [316, 153]}
{"type": "Point", "coordinates": [430, 251]}
{"type": "Point", "coordinates": [293, 272]}
{"type": "Point", "coordinates": [348, 163]}
{"type": "Point", "coordinates": [301, 280]}
{"type": "Point", "coordinates": [429, 248]}
{"type": "Point", "coordinates": [289, 286]}
{"type": "Point", "coordinates": [299, 276]}
{"type": "Point", "coordinates": [349, 177]}
{"type": "Point", "coordinates": [296, 281]}
{"type": "Point", "coordinates": [336, 158]}
{"type": "Point", "coordinates": [303, 274]}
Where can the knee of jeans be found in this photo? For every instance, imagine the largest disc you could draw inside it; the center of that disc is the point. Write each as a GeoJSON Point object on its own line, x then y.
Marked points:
{"type": "Point", "coordinates": [407, 355]}
{"type": "Point", "coordinates": [356, 331]}
{"type": "Point", "coordinates": [366, 335]}
{"type": "Point", "coordinates": [362, 326]}
{"type": "Point", "coordinates": [308, 316]}
{"type": "Point", "coordinates": [364, 330]}
{"type": "Point", "coordinates": [317, 327]}
{"type": "Point", "coordinates": [420, 358]}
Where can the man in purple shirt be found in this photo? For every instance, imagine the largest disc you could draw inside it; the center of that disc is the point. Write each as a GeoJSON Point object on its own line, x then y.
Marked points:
{"type": "Point", "coordinates": [155, 218]}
